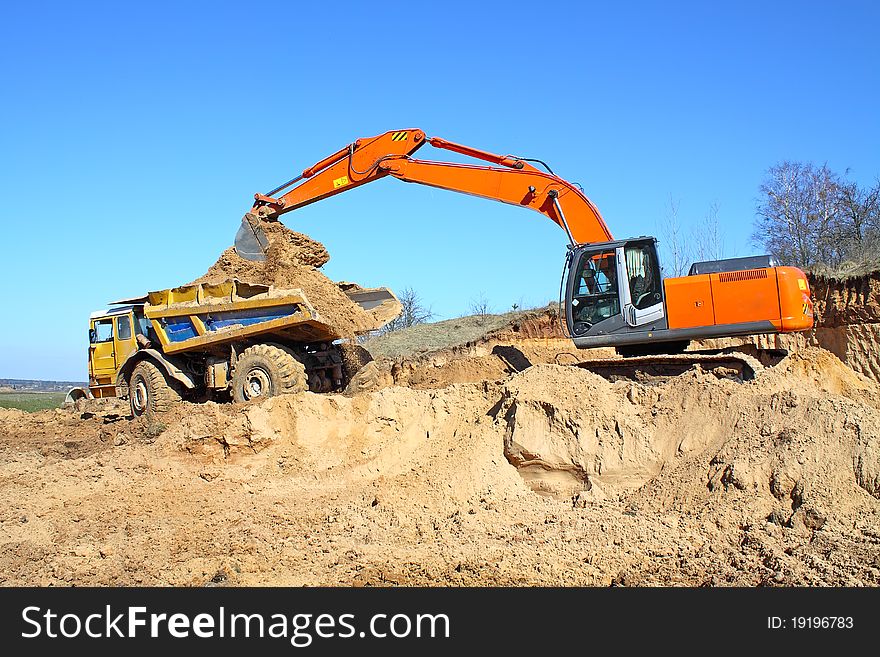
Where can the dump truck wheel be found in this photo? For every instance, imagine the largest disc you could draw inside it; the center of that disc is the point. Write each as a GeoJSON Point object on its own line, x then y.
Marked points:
{"type": "Point", "coordinates": [266, 370]}
{"type": "Point", "coordinates": [149, 391]}
{"type": "Point", "coordinates": [354, 357]}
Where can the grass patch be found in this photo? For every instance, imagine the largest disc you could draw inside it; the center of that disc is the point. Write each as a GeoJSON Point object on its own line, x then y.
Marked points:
{"type": "Point", "coordinates": [423, 338]}
{"type": "Point", "coordinates": [31, 401]}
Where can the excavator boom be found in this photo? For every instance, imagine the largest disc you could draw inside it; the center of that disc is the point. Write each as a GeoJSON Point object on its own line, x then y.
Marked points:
{"type": "Point", "coordinates": [506, 178]}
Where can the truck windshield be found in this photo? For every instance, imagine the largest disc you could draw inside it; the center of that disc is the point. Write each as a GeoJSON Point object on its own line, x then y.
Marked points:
{"type": "Point", "coordinates": [595, 296]}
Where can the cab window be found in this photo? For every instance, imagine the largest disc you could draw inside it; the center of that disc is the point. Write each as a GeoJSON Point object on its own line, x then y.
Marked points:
{"type": "Point", "coordinates": [102, 331]}
{"type": "Point", "coordinates": [123, 328]}
{"type": "Point", "coordinates": [595, 294]}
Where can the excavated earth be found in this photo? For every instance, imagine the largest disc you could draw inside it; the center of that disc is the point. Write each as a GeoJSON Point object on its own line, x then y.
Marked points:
{"type": "Point", "coordinates": [293, 261]}
{"type": "Point", "coordinates": [491, 462]}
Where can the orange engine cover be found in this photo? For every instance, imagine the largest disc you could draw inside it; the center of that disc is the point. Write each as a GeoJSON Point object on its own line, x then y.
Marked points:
{"type": "Point", "coordinates": [689, 301]}
{"type": "Point", "coordinates": [780, 295]}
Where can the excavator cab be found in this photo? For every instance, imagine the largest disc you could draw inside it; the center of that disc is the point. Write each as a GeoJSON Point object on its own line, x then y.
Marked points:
{"type": "Point", "coordinates": [614, 288]}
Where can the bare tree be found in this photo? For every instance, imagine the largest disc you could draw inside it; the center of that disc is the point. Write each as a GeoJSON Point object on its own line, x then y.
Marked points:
{"type": "Point", "coordinates": [782, 226]}
{"type": "Point", "coordinates": [480, 307]}
{"type": "Point", "coordinates": [673, 239]}
{"type": "Point", "coordinates": [825, 189]}
{"type": "Point", "coordinates": [708, 239]}
{"type": "Point", "coordinates": [798, 215]}
{"type": "Point", "coordinates": [860, 225]}
{"type": "Point", "coordinates": [811, 217]}
{"type": "Point", "coordinates": [414, 312]}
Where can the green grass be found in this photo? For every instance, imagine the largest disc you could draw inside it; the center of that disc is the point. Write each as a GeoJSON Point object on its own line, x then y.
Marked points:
{"type": "Point", "coordinates": [31, 401]}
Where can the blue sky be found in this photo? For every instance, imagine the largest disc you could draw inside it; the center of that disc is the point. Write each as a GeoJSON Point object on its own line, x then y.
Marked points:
{"type": "Point", "coordinates": [134, 136]}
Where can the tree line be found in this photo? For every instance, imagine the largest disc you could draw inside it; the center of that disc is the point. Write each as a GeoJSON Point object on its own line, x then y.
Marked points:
{"type": "Point", "coordinates": [813, 218]}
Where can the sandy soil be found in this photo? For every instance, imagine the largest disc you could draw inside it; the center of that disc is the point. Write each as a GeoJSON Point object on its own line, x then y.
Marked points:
{"type": "Point", "coordinates": [489, 462]}
{"type": "Point", "coordinates": [551, 476]}
{"type": "Point", "coordinates": [293, 261]}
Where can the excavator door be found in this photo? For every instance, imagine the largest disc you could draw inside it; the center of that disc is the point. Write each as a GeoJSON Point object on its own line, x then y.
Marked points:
{"type": "Point", "coordinates": [615, 288]}
{"type": "Point", "coordinates": [642, 285]}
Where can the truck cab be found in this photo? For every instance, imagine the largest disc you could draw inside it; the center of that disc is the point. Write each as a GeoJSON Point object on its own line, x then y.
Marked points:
{"type": "Point", "coordinates": [112, 339]}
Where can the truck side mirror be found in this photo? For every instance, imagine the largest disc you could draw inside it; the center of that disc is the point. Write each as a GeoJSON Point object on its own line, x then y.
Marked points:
{"type": "Point", "coordinates": [93, 336]}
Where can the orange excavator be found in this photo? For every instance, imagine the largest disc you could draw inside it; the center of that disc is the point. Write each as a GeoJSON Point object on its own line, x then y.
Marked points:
{"type": "Point", "coordinates": [614, 294]}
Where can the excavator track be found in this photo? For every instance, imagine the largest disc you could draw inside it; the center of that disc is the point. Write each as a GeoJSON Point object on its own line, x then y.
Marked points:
{"type": "Point", "coordinates": [733, 365]}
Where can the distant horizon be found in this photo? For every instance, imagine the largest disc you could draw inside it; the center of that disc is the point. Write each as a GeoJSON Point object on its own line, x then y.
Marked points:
{"type": "Point", "coordinates": [3, 381]}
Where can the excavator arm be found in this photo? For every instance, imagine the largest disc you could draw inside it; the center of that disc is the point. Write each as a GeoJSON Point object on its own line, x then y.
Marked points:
{"type": "Point", "coordinates": [507, 179]}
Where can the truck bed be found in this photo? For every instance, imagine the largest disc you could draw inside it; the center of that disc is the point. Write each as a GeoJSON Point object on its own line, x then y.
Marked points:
{"type": "Point", "coordinates": [193, 317]}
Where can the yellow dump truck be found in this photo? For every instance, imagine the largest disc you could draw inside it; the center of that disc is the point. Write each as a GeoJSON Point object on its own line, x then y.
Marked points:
{"type": "Point", "coordinates": [228, 340]}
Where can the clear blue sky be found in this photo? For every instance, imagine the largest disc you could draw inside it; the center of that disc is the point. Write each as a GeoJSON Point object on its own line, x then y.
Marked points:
{"type": "Point", "coordinates": [135, 134]}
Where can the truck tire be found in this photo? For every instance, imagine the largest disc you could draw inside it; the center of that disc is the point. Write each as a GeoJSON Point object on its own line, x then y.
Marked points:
{"type": "Point", "coordinates": [149, 392]}
{"type": "Point", "coordinates": [266, 370]}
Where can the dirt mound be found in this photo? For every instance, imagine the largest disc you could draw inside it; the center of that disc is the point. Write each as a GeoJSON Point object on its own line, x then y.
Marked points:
{"type": "Point", "coordinates": [611, 438]}
{"type": "Point", "coordinates": [292, 262]}
{"type": "Point", "coordinates": [817, 369]}
{"type": "Point", "coordinates": [691, 481]}
{"type": "Point", "coordinates": [587, 437]}
{"type": "Point", "coordinates": [460, 334]}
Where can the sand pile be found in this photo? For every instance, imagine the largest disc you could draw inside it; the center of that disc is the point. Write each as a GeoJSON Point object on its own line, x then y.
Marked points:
{"type": "Point", "coordinates": [692, 480]}
{"type": "Point", "coordinates": [293, 261]}
{"type": "Point", "coordinates": [572, 434]}
{"type": "Point", "coordinates": [808, 428]}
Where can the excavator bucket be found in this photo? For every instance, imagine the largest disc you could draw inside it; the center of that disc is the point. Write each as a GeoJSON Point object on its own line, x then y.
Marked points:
{"type": "Point", "coordinates": [251, 242]}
